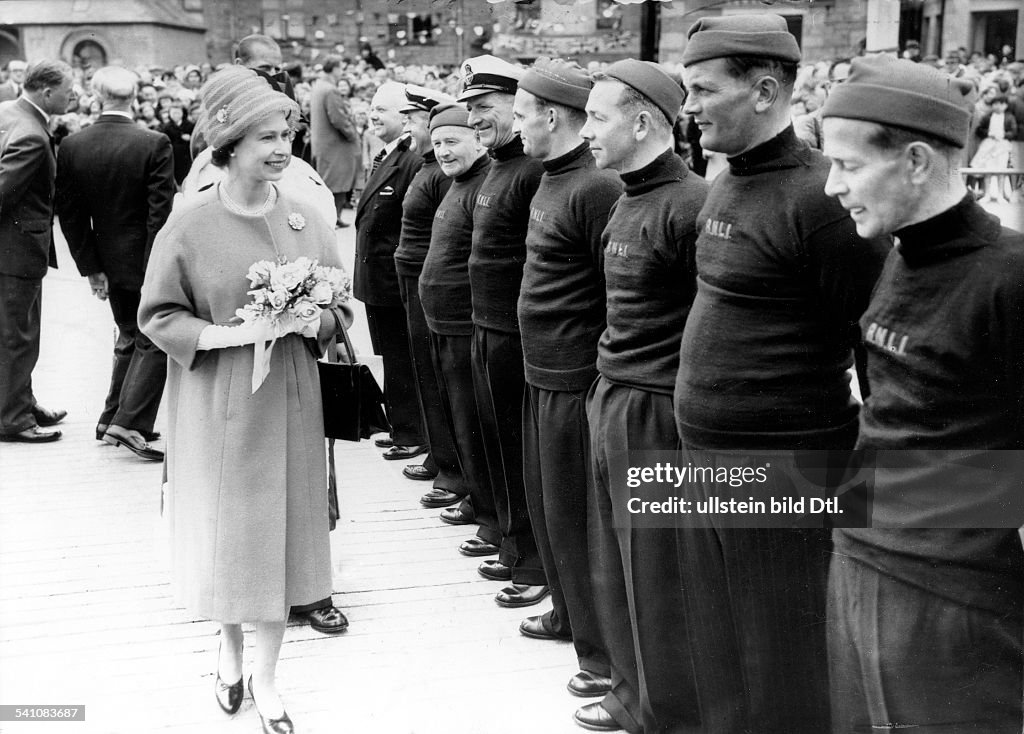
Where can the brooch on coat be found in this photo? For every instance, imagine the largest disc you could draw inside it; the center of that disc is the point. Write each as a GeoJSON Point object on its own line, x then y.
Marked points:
{"type": "Point", "coordinates": [296, 221]}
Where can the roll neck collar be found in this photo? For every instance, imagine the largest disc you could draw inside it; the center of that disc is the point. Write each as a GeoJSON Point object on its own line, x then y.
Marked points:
{"type": "Point", "coordinates": [785, 150]}
{"type": "Point", "coordinates": [556, 165]}
{"type": "Point", "coordinates": [666, 168]}
{"type": "Point", "coordinates": [511, 149]}
{"type": "Point", "coordinates": [960, 229]}
{"type": "Point", "coordinates": [473, 170]}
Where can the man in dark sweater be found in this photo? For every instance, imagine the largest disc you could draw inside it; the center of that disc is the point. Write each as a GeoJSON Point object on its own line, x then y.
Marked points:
{"type": "Point", "coordinates": [782, 279]}
{"type": "Point", "coordinates": [925, 625]}
{"type": "Point", "coordinates": [374, 280]}
{"type": "Point", "coordinates": [428, 187]}
{"type": "Point", "coordinates": [446, 300]}
{"type": "Point", "coordinates": [561, 317]}
{"type": "Point", "coordinates": [495, 275]}
{"type": "Point", "coordinates": [649, 274]}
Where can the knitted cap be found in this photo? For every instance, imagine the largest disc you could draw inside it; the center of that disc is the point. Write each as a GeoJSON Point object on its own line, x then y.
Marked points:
{"type": "Point", "coordinates": [449, 114]}
{"type": "Point", "coordinates": [652, 82]}
{"type": "Point", "coordinates": [563, 82]}
{"type": "Point", "coordinates": [486, 74]}
{"type": "Point", "coordinates": [765, 35]}
{"type": "Point", "coordinates": [236, 99]}
{"type": "Point", "coordinates": [422, 99]}
{"type": "Point", "coordinates": [903, 94]}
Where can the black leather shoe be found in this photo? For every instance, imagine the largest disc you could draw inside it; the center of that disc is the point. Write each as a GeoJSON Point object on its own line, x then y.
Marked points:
{"type": "Point", "coordinates": [595, 717]}
{"type": "Point", "coordinates": [521, 595]}
{"type": "Point", "coordinates": [327, 620]}
{"type": "Point", "coordinates": [478, 547]}
{"type": "Point", "coordinates": [455, 516]}
{"type": "Point", "coordinates": [534, 627]}
{"type": "Point", "coordinates": [229, 697]}
{"type": "Point", "coordinates": [31, 435]}
{"type": "Point", "coordinates": [282, 725]}
{"type": "Point", "coordinates": [589, 685]}
{"type": "Point", "coordinates": [495, 571]}
{"type": "Point", "coordinates": [383, 443]}
{"type": "Point", "coordinates": [47, 418]}
{"type": "Point", "coordinates": [439, 498]}
{"type": "Point", "coordinates": [395, 453]}
{"type": "Point", "coordinates": [150, 436]}
{"type": "Point", "coordinates": [419, 473]}
{"type": "Point", "coordinates": [133, 441]}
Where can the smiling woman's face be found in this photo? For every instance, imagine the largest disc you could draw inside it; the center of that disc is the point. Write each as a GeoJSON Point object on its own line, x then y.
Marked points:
{"type": "Point", "coordinates": [264, 152]}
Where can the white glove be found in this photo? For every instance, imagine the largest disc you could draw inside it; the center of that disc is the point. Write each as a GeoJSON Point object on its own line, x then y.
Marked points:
{"type": "Point", "coordinates": [216, 336]}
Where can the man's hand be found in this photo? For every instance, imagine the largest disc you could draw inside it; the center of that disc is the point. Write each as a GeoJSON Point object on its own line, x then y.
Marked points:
{"type": "Point", "coordinates": [98, 283]}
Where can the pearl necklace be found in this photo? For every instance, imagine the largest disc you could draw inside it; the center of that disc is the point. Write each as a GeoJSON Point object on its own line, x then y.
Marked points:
{"type": "Point", "coordinates": [232, 206]}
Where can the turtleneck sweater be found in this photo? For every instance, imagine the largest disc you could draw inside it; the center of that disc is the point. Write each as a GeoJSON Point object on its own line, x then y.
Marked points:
{"type": "Point", "coordinates": [499, 235]}
{"type": "Point", "coordinates": [782, 280]}
{"type": "Point", "coordinates": [428, 187]}
{"type": "Point", "coordinates": [649, 273]}
{"type": "Point", "coordinates": [562, 301]}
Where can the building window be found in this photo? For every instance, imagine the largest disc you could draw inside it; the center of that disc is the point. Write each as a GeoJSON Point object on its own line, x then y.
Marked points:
{"type": "Point", "coordinates": [527, 16]}
{"type": "Point", "coordinates": [411, 29]}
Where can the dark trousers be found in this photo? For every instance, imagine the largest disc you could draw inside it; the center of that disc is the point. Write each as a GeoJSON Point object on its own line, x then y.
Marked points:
{"type": "Point", "coordinates": [500, 385]}
{"type": "Point", "coordinates": [140, 369]}
{"type": "Point", "coordinates": [756, 606]}
{"type": "Point", "coordinates": [443, 455]}
{"type": "Point", "coordinates": [21, 303]}
{"type": "Point", "coordinates": [638, 596]}
{"type": "Point", "coordinates": [389, 335]}
{"type": "Point", "coordinates": [901, 655]}
{"type": "Point", "coordinates": [453, 366]}
{"type": "Point", "coordinates": [556, 467]}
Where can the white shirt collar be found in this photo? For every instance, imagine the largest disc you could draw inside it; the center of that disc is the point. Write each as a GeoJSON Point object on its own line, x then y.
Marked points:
{"type": "Point", "coordinates": [120, 113]}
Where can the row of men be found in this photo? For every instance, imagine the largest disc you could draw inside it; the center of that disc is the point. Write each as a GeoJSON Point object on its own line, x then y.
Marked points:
{"type": "Point", "coordinates": [555, 317]}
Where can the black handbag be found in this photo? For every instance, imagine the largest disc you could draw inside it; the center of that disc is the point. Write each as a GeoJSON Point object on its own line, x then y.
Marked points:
{"type": "Point", "coordinates": [353, 401]}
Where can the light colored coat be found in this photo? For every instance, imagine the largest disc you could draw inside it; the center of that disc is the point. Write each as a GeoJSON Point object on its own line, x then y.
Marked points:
{"type": "Point", "coordinates": [333, 137]}
{"type": "Point", "coordinates": [246, 472]}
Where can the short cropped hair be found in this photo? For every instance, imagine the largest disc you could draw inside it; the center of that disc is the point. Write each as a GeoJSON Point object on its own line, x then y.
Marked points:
{"type": "Point", "coordinates": [46, 74]}
{"type": "Point", "coordinates": [115, 84]}
{"type": "Point", "coordinates": [892, 139]}
{"type": "Point", "coordinates": [633, 103]}
{"type": "Point", "coordinates": [573, 115]}
{"type": "Point", "coordinates": [749, 67]}
{"type": "Point", "coordinates": [247, 46]}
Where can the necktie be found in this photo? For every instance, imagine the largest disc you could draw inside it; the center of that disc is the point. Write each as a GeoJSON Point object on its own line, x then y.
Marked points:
{"type": "Point", "coordinates": [376, 161]}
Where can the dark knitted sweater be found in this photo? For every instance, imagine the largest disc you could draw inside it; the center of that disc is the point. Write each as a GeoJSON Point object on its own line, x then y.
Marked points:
{"type": "Point", "coordinates": [444, 281]}
{"type": "Point", "coordinates": [428, 187]}
{"type": "Point", "coordinates": [782, 279]}
{"type": "Point", "coordinates": [499, 236]}
{"type": "Point", "coordinates": [945, 342]}
{"type": "Point", "coordinates": [562, 301]}
{"type": "Point", "coordinates": [649, 273]}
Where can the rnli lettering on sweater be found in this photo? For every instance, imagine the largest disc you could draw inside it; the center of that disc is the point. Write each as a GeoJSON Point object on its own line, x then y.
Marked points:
{"type": "Point", "coordinates": [715, 228]}
{"type": "Point", "coordinates": [885, 338]}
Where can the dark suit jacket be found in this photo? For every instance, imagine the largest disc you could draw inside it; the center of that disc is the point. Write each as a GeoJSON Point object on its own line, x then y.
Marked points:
{"type": "Point", "coordinates": [115, 183]}
{"type": "Point", "coordinates": [378, 226]}
{"type": "Point", "coordinates": [27, 168]}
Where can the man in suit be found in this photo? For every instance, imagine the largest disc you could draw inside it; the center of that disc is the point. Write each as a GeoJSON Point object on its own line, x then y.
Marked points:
{"type": "Point", "coordinates": [115, 183]}
{"type": "Point", "coordinates": [375, 281]}
{"type": "Point", "coordinates": [27, 170]}
{"type": "Point", "coordinates": [11, 89]}
{"type": "Point", "coordinates": [333, 136]}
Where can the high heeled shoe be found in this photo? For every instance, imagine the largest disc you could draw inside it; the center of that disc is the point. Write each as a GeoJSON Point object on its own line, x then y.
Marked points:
{"type": "Point", "coordinates": [229, 697]}
{"type": "Point", "coordinates": [282, 725]}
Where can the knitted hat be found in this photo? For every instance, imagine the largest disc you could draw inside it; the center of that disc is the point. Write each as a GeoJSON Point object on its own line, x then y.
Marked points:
{"type": "Point", "coordinates": [765, 35]}
{"type": "Point", "coordinates": [903, 94]}
{"type": "Point", "coordinates": [562, 82]}
{"type": "Point", "coordinates": [652, 82]}
{"type": "Point", "coordinates": [236, 99]}
{"type": "Point", "coordinates": [449, 114]}
{"type": "Point", "coordinates": [486, 74]}
{"type": "Point", "coordinates": [422, 99]}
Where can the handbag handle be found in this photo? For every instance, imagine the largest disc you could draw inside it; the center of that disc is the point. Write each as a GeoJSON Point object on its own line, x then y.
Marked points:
{"type": "Point", "coordinates": [343, 332]}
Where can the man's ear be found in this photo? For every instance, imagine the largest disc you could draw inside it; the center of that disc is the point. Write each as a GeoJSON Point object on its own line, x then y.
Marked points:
{"type": "Point", "coordinates": [922, 162]}
{"type": "Point", "coordinates": [768, 89]}
{"type": "Point", "coordinates": [642, 125]}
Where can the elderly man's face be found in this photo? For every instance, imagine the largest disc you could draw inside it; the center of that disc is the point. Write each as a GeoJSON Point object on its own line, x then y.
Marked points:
{"type": "Point", "coordinates": [870, 183]}
{"type": "Point", "coordinates": [384, 114]}
{"type": "Point", "coordinates": [722, 106]}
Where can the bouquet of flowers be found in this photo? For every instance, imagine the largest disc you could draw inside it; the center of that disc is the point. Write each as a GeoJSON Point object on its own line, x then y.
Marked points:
{"type": "Point", "coordinates": [290, 295]}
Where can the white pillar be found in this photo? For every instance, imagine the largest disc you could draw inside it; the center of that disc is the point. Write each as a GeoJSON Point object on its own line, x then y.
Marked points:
{"type": "Point", "coordinates": [883, 32]}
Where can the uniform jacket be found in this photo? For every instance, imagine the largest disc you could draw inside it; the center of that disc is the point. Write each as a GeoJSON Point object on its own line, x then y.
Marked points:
{"type": "Point", "coordinates": [333, 137]}
{"type": "Point", "coordinates": [115, 183]}
{"type": "Point", "coordinates": [27, 169]}
{"type": "Point", "coordinates": [379, 226]}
